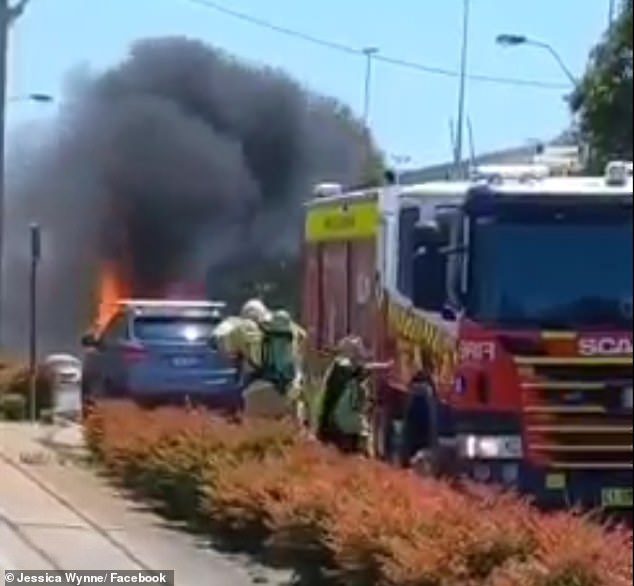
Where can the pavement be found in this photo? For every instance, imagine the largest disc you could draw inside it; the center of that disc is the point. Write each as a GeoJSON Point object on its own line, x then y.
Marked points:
{"type": "Point", "coordinates": [56, 514]}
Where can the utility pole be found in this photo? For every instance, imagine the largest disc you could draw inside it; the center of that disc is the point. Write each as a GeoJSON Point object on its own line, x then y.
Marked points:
{"type": "Point", "coordinates": [5, 22]}
{"type": "Point", "coordinates": [369, 53]}
{"type": "Point", "coordinates": [472, 148]}
{"type": "Point", "coordinates": [611, 11]}
{"type": "Point", "coordinates": [458, 165]}
{"type": "Point", "coordinates": [8, 15]}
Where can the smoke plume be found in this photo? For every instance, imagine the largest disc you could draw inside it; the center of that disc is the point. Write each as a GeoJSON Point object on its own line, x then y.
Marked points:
{"type": "Point", "coordinates": [178, 160]}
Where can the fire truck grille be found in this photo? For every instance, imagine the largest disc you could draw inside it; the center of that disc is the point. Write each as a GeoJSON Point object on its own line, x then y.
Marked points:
{"type": "Point", "coordinates": [578, 414]}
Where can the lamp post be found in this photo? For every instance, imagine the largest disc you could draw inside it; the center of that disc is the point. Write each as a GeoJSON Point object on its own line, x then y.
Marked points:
{"type": "Point", "coordinates": [458, 162]}
{"type": "Point", "coordinates": [369, 53]}
{"type": "Point", "coordinates": [34, 97]}
{"type": "Point", "coordinates": [511, 40]}
{"type": "Point", "coordinates": [9, 14]}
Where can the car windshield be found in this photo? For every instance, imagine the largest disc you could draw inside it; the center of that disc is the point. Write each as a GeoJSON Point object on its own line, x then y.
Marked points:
{"type": "Point", "coordinates": [174, 329]}
{"type": "Point", "coordinates": [550, 273]}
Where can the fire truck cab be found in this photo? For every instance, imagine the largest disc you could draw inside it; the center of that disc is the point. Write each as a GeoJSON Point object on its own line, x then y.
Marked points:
{"type": "Point", "coordinates": [512, 292]}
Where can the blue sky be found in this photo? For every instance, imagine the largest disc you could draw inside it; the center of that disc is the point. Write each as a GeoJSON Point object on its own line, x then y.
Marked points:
{"type": "Point", "coordinates": [410, 111]}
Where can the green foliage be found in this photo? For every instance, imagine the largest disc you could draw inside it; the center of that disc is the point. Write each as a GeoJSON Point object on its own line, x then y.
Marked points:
{"type": "Point", "coordinates": [603, 100]}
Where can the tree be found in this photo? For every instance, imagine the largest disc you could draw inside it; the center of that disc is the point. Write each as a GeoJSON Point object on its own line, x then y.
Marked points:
{"type": "Point", "coordinates": [374, 168]}
{"type": "Point", "coordinates": [603, 100]}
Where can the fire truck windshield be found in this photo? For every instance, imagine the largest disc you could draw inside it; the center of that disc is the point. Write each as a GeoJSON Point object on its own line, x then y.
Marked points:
{"type": "Point", "coordinates": [552, 273]}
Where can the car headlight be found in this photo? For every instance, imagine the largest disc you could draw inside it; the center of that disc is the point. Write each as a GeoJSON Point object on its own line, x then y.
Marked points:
{"type": "Point", "coordinates": [497, 447]}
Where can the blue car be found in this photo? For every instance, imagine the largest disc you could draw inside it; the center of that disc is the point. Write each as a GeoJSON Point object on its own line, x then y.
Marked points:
{"type": "Point", "coordinates": [160, 352]}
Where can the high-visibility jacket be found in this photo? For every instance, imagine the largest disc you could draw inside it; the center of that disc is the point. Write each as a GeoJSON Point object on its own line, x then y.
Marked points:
{"type": "Point", "coordinates": [343, 408]}
{"type": "Point", "coordinates": [243, 339]}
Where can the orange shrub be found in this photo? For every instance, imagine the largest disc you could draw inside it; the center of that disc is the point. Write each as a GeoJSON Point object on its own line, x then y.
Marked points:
{"type": "Point", "coordinates": [162, 453]}
{"type": "Point", "coordinates": [347, 520]}
{"type": "Point", "coordinates": [15, 380]}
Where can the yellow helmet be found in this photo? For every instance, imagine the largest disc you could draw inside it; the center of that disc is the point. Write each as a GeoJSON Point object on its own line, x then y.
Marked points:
{"type": "Point", "coordinates": [352, 347]}
{"type": "Point", "coordinates": [255, 310]}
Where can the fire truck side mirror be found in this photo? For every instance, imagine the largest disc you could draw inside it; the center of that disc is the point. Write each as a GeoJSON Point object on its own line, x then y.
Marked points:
{"type": "Point", "coordinates": [427, 235]}
{"type": "Point", "coordinates": [428, 283]}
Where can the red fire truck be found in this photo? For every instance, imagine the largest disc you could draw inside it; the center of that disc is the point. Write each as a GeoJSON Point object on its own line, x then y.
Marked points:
{"type": "Point", "coordinates": [512, 291]}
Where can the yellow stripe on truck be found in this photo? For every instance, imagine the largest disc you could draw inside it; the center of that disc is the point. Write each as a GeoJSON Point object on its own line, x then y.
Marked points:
{"type": "Point", "coordinates": [354, 221]}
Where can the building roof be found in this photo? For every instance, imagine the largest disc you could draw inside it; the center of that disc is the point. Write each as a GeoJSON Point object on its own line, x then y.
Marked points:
{"type": "Point", "coordinates": [522, 155]}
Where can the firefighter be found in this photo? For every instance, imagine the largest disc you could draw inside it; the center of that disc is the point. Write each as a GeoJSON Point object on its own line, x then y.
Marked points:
{"type": "Point", "coordinates": [343, 418]}
{"type": "Point", "coordinates": [425, 424]}
{"type": "Point", "coordinates": [267, 347]}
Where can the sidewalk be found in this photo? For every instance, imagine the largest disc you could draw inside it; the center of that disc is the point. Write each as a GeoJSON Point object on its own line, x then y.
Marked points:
{"type": "Point", "coordinates": [58, 515]}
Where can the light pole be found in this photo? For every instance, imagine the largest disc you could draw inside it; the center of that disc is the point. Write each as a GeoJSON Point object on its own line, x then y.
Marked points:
{"type": "Point", "coordinates": [508, 40]}
{"type": "Point", "coordinates": [369, 53]}
{"type": "Point", "coordinates": [5, 21]}
{"type": "Point", "coordinates": [458, 166]}
{"type": "Point", "coordinates": [8, 15]}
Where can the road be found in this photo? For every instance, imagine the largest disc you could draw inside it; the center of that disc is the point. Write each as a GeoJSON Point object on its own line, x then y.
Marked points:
{"type": "Point", "coordinates": [56, 515]}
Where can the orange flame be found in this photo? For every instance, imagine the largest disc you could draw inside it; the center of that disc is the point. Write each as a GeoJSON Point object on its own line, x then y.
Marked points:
{"type": "Point", "coordinates": [112, 289]}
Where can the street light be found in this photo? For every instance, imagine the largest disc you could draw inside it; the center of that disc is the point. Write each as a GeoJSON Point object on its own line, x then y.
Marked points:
{"type": "Point", "coordinates": [464, 53]}
{"type": "Point", "coordinates": [369, 53]}
{"type": "Point", "coordinates": [509, 40]}
{"type": "Point", "coordinates": [9, 14]}
{"type": "Point", "coordinates": [35, 97]}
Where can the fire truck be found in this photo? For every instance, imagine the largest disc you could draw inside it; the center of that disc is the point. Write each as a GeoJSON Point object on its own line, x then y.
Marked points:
{"type": "Point", "coordinates": [512, 292]}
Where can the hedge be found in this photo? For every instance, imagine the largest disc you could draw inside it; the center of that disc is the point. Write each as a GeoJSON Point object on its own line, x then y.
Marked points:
{"type": "Point", "coordinates": [342, 520]}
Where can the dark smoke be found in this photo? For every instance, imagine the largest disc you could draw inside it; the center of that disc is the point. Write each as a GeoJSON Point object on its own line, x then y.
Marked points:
{"type": "Point", "coordinates": [177, 160]}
